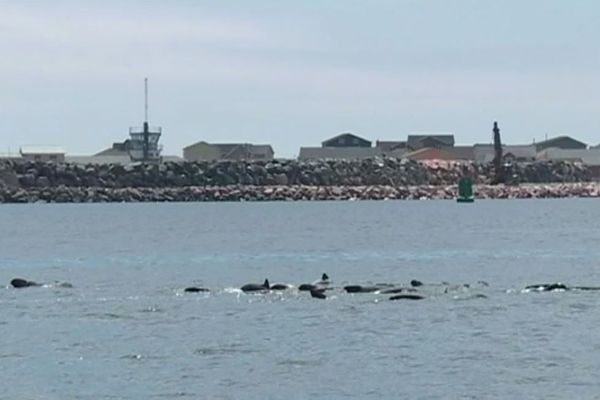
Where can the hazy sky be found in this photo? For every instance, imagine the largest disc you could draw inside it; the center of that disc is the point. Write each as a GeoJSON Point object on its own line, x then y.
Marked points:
{"type": "Point", "coordinates": [293, 73]}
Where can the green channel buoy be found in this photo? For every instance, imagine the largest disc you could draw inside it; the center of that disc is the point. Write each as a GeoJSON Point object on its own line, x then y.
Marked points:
{"type": "Point", "coordinates": [465, 190]}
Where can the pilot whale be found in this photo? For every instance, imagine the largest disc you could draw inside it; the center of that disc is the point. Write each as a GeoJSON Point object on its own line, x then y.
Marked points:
{"type": "Point", "coordinates": [279, 286]}
{"type": "Point", "coordinates": [306, 287]}
{"type": "Point", "coordinates": [547, 287]}
{"type": "Point", "coordinates": [20, 283]}
{"type": "Point", "coordinates": [368, 289]}
{"type": "Point", "coordinates": [318, 293]}
{"type": "Point", "coordinates": [361, 289]}
{"type": "Point", "coordinates": [256, 287]}
{"type": "Point", "coordinates": [194, 289]}
{"type": "Point", "coordinates": [324, 281]}
{"type": "Point", "coordinates": [394, 290]}
{"type": "Point", "coordinates": [407, 297]}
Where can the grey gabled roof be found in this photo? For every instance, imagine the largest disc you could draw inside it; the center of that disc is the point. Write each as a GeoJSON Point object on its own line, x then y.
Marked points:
{"type": "Point", "coordinates": [446, 139]}
{"type": "Point", "coordinates": [117, 149]}
{"type": "Point", "coordinates": [111, 151]}
{"type": "Point", "coordinates": [189, 146]}
{"type": "Point", "coordinates": [550, 142]}
{"type": "Point", "coordinates": [338, 153]}
{"type": "Point", "coordinates": [228, 148]}
{"type": "Point", "coordinates": [261, 148]}
{"type": "Point", "coordinates": [345, 134]}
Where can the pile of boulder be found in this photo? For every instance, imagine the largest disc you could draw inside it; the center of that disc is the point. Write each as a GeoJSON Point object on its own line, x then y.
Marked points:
{"type": "Point", "coordinates": [386, 178]}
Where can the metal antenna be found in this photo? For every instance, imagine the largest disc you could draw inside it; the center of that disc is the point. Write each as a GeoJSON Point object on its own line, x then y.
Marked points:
{"type": "Point", "coordinates": [146, 99]}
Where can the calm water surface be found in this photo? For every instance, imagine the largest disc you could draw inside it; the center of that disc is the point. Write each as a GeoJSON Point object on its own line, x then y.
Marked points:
{"type": "Point", "coordinates": [126, 330]}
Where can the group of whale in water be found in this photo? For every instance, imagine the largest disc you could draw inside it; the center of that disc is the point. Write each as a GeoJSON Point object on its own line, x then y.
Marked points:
{"type": "Point", "coordinates": [316, 289]}
{"type": "Point", "coordinates": [319, 288]}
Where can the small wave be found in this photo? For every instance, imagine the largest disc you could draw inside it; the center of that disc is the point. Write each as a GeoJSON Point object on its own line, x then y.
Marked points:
{"type": "Point", "coordinates": [151, 309]}
{"type": "Point", "coordinates": [132, 357]}
{"type": "Point", "coordinates": [58, 285]}
{"type": "Point", "coordinates": [537, 290]}
{"type": "Point", "coordinates": [10, 355]}
{"type": "Point", "coordinates": [580, 307]}
{"type": "Point", "coordinates": [298, 362]}
{"type": "Point", "coordinates": [138, 357]}
{"type": "Point", "coordinates": [223, 350]}
{"type": "Point", "coordinates": [177, 395]}
{"type": "Point", "coordinates": [477, 296]}
{"type": "Point", "coordinates": [108, 315]}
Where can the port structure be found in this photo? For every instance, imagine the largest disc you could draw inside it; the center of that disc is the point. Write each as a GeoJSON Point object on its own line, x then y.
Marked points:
{"type": "Point", "coordinates": [143, 142]}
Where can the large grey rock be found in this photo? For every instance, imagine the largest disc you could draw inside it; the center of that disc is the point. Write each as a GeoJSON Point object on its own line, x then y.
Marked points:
{"type": "Point", "coordinates": [42, 181]}
{"type": "Point", "coordinates": [9, 178]}
{"type": "Point", "coordinates": [27, 180]}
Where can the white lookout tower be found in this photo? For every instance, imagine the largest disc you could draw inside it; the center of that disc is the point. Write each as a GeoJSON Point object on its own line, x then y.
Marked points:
{"type": "Point", "coordinates": [143, 145]}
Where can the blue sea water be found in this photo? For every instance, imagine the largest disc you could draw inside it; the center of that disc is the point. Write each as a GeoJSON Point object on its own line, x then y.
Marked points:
{"type": "Point", "coordinates": [126, 330]}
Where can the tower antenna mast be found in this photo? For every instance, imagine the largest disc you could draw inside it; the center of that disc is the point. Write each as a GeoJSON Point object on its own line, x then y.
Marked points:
{"type": "Point", "coordinates": [145, 99]}
{"type": "Point", "coordinates": [143, 145]}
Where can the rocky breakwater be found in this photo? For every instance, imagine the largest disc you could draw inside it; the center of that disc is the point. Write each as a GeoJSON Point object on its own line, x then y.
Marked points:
{"type": "Point", "coordinates": [281, 180]}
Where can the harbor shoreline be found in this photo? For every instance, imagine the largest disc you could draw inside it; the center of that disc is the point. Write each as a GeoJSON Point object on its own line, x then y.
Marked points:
{"type": "Point", "coordinates": [239, 193]}
{"type": "Point", "coordinates": [369, 179]}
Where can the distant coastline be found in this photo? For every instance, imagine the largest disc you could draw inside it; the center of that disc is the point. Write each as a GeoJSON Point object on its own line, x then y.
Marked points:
{"type": "Point", "coordinates": [373, 179]}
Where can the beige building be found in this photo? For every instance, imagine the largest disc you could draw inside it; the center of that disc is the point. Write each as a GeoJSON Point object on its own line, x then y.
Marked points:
{"type": "Point", "coordinates": [42, 153]}
{"type": "Point", "coordinates": [203, 151]}
{"type": "Point", "coordinates": [117, 149]}
{"type": "Point", "coordinates": [338, 153]}
{"type": "Point", "coordinates": [485, 153]}
{"type": "Point", "coordinates": [585, 156]}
